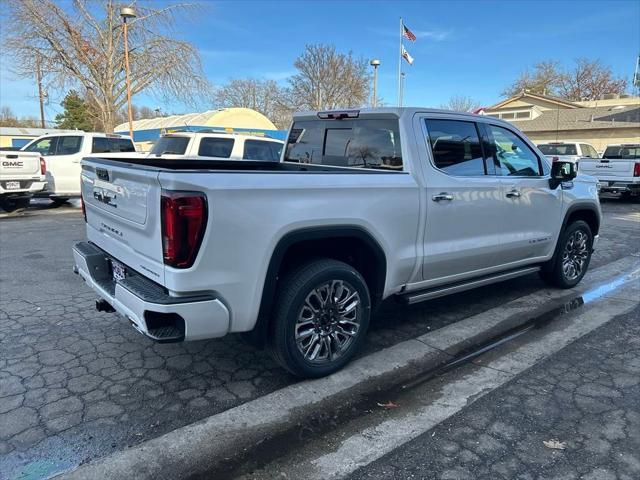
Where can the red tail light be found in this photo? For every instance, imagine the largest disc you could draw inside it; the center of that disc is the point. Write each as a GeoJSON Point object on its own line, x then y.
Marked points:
{"type": "Point", "coordinates": [636, 170]}
{"type": "Point", "coordinates": [184, 218]}
{"type": "Point", "coordinates": [43, 166]}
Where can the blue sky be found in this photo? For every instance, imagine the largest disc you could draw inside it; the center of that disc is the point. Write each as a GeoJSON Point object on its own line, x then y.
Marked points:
{"type": "Point", "coordinates": [472, 48]}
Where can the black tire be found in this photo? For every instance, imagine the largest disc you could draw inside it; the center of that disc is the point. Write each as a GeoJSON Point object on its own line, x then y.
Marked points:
{"type": "Point", "coordinates": [58, 201]}
{"type": "Point", "coordinates": [11, 204]}
{"type": "Point", "coordinates": [322, 326]}
{"type": "Point", "coordinates": [566, 275]}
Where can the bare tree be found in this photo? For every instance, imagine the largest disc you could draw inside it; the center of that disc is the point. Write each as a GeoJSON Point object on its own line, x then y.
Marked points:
{"type": "Point", "coordinates": [81, 43]}
{"type": "Point", "coordinates": [9, 119]}
{"type": "Point", "coordinates": [589, 80]}
{"type": "Point", "coordinates": [264, 96]}
{"type": "Point", "coordinates": [545, 79]}
{"type": "Point", "coordinates": [328, 79]}
{"type": "Point", "coordinates": [460, 103]}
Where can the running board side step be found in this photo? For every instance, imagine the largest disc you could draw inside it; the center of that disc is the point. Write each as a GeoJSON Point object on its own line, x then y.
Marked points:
{"type": "Point", "coordinates": [441, 291]}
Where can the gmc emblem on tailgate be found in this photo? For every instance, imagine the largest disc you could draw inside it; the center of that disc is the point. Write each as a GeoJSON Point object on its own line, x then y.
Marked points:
{"type": "Point", "coordinates": [14, 164]}
{"type": "Point", "coordinates": [102, 174]}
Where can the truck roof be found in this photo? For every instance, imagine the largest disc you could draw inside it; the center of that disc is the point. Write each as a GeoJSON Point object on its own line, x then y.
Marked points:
{"type": "Point", "coordinates": [395, 111]}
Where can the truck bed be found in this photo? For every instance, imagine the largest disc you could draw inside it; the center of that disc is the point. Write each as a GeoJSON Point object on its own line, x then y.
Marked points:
{"type": "Point", "coordinates": [231, 166]}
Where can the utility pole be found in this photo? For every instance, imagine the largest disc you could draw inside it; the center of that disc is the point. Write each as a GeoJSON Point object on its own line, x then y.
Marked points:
{"type": "Point", "coordinates": [40, 92]}
{"type": "Point", "coordinates": [127, 12]}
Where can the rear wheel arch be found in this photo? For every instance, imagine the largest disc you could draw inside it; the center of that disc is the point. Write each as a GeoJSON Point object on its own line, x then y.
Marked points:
{"type": "Point", "coordinates": [351, 244]}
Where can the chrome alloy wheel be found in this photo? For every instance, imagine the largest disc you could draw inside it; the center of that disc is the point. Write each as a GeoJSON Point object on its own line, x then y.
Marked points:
{"type": "Point", "coordinates": [575, 255]}
{"type": "Point", "coordinates": [328, 322]}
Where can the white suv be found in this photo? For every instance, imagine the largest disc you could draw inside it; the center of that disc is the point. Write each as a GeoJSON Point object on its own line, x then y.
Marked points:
{"type": "Point", "coordinates": [218, 145]}
{"type": "Point", "coordinates": [63, 153]}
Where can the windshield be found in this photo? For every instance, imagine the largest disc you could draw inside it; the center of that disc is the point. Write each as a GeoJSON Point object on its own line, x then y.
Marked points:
{"type": "Point", "coordinates": [622, 151]}
{"type": "Point", "coordinates": [558, 149]}
{"type": "Point", "coordinates": [170, 145]}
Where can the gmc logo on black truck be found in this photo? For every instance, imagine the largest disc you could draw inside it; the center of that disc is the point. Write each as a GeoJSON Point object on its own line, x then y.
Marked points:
{"type": "Point", "coordinates": [14, 164]}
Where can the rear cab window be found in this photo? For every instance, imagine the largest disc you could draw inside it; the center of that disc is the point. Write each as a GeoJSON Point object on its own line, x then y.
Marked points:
{"type": "Point", "coordinates": [631, 152]}
{"type": "Point", "coordinates": [558, 149]}
{"type": "Point", "coordinates": [355, 143]}
{"type": "Point", "coordinates": [174, 145]}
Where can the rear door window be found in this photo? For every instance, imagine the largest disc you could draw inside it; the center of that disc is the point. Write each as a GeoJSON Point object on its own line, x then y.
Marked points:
{"type": "Point", "coordinates": [456, 147]}
{"type": "Point", "coordinates": [68, 145]}
{"type": "Point", "coordinates": [215, 147]}
{"type": "Point", "coordinates": [588, 151]}
{"type": "Point", "coordinates": [373, 144]}
{"type": "Point", "coordinates": [259, 150]}
{"type": "Point", "coordinates": [173, 145]}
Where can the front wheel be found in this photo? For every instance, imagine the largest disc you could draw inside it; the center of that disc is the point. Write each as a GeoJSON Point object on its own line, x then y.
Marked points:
{"type": "Point", "coordinates": [572, 256]}
{"type": "Point", "coordinates": [321, 318]}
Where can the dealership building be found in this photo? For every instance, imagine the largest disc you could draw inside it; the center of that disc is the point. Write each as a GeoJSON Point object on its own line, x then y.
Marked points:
{"type": "Point", "coordinates": [231, 120]}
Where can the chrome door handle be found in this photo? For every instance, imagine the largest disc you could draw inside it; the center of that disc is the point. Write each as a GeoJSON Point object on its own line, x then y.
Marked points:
{"type": "Point", "coordinates": [442, 196]}
{"type": "Point", "coordinates": [514, 194]}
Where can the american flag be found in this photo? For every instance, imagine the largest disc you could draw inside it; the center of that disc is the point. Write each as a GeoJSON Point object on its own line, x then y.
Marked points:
{"type": "Point", "coordinates": [408, 34]}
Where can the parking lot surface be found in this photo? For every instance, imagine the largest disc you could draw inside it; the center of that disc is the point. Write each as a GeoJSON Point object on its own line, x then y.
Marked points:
{"type": "Point", "coordinates": [586, 398]}
{"type": "Point", "coordinates": [76, 384]}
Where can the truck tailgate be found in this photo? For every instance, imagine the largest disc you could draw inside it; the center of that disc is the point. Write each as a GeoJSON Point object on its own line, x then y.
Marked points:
{"type": "Point", "coordinates": [19, 165]}
{"type": "Point", "coordinates": [123, 214]}
{"type": "Point", "coordinates": [604, 169]}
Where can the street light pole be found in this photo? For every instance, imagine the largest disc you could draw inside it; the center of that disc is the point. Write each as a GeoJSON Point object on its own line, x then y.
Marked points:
{"type": "Point", "coordinates": [125, 13]}
{"type": "Point", "coordinates": [375, 63]}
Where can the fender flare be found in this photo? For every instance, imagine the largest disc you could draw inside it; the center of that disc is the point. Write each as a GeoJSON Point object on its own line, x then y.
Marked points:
{"type": "Point", "coordinates": [259, 332]}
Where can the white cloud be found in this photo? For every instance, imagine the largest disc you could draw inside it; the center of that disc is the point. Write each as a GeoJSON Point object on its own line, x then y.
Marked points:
{"type": "Point", "coordinates": [435, 35]}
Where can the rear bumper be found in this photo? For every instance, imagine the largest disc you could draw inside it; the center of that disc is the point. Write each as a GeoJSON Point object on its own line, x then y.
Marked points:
{"type": "Point", "coordinates": [147, 305]}
{"type": "Point", "coordinates": [618, 187]}
{"type": "Point", "coordinates": [29, 188]}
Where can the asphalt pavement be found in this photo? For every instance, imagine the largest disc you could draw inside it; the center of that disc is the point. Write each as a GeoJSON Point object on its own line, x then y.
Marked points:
{"type": "Point", "coordinates": [575, 415]}
{"type": "Point", "coordinates": [76, 384]}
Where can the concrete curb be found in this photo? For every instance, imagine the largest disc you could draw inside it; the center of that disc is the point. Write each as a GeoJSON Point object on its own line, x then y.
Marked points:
{"type": "Point", "coordinates": [204, 446]}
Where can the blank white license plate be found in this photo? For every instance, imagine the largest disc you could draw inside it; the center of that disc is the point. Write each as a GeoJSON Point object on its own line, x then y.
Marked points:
{"type": "Point", "coordinates": [12, 185]}
{"type": "Point", "coordinates": [119, 272]}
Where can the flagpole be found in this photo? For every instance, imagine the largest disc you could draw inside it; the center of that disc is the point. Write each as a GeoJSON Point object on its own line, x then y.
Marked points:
{"type": "Point", "coordinates": [400, 64]}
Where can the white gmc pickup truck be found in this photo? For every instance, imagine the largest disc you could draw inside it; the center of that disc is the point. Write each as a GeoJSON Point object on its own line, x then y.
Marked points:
{"type": "Point", "coordinates": [22, 174]}
{"type": "Point", "coordinates": [364, 205]}
{"type": "Point", "coordinates": [618, 171]}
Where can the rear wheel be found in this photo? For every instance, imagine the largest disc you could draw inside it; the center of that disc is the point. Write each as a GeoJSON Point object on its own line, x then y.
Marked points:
{"type": "Point", "coordinates": [321, 318]}
{"type": "Point", "coordinates": [11, 204]}
{"type": "Point", "coordinates": [571, 258]}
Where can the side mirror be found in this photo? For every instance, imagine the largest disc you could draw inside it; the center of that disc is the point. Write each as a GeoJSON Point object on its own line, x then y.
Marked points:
{"type": "Point", "coordinates": [562, 172]}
